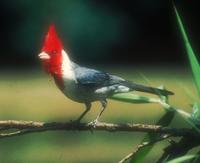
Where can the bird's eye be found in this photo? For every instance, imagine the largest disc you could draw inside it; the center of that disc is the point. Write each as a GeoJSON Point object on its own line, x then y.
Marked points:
{"type": "Point", "coordinates": [53, 52]}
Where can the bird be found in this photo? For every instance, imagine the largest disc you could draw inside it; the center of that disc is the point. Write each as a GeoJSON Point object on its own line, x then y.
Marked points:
{"type": "Point", "coordinates": [82, 84]}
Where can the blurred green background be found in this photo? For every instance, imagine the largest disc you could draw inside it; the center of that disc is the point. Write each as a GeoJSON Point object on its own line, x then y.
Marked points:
{"type": "Point", "coordinates": [32, 95]}
{"type": "Point", "coordinates": [131, 39]}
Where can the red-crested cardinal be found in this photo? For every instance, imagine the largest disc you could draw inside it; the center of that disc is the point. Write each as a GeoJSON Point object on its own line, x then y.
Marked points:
{"type": "Point", "coordinates": [83, 84]}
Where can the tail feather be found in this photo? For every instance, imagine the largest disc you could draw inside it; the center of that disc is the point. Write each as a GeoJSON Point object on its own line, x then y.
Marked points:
{"type": "Point", "coordinates": [142, 88]}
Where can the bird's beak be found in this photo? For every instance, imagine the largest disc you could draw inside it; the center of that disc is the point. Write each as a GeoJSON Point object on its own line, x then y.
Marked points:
{"type": "Point", "coordinates": [44, 56]}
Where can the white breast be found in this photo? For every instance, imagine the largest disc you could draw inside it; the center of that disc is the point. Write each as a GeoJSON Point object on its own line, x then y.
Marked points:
{"type": "Point", "coordinates": [69, 79]}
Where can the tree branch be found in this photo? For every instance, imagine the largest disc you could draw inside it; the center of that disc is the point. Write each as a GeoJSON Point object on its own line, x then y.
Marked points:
{"type": "Point", "coordinates": [25, 127]}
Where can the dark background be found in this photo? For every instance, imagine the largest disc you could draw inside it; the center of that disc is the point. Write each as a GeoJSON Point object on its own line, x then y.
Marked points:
{"type": "Point", "coordinates": [98, 31]}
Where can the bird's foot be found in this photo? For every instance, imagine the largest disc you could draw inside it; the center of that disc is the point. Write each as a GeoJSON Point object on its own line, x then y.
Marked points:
{"type": "Point", "coordinates": [93, 123]}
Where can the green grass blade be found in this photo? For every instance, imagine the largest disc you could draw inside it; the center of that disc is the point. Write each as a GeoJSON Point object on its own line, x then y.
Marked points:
{"type": "Point", "coordinates": [182, 159]}
{"type": "Point", "coordinates": [196, 159]}
{"type": "Point", "coordinates": [164, 121]}
{"type": "Point", "coordinates": [133, 98]}
{"type": "Point", "coordinates": [195, 116]}
{"type": "Point", "coordinates": [191, 55]}
{"type": "Point", "coordinates": [194, 65]}
{"type": "Point", "coordinates": [141, 154]}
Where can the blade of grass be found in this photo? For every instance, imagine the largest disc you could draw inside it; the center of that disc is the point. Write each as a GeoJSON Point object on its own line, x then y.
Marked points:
{"type": "Point", "coordinates": [193, 62]}
{"type": "Point", "coordinates": [133, 98]}
{"type": "Point", "coordinates": [164, 121]}
{"type": "Point", "coordinates": [186, 116]}
{"type": "Point", "coordinates": [191, 55]}
{"type": "Point", "coordinates": [188, 92]}
{"type": "Point", "coordinates": [182, 159]}
{"type": "Point", "coordinates": [196, 159]}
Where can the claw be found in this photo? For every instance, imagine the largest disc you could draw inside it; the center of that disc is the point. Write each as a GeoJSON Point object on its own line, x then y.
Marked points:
{"type": "Point", "coordinates": [94, 123]}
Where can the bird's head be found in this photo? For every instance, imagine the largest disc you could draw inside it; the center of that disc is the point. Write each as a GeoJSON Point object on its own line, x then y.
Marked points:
{"type": "Point", "coordinates": [51, 53]}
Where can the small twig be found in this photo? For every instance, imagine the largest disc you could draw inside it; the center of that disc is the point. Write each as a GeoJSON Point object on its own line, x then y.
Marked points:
{"type": "Point", "coordinates": [142, 145]}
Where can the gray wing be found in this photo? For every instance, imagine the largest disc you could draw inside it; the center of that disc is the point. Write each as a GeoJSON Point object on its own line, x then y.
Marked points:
{"type": "Point", "coordinates": [91, 78]}
{"type": "Point", "coordinates": [105, 82]}
{"type": "Point", "coordinates": [94, 78]}
{"type": "Point", "coordinates": [100, 82]}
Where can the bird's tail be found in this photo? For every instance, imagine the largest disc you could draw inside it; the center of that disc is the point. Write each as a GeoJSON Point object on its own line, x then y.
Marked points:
{"type": "Point", "coordinates": [142, 88]}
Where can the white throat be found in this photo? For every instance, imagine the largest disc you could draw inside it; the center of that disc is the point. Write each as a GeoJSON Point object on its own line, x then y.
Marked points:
{"type": "Point", "coordinates": [67, 68]}
{"type": "Point", "coordinates": [66, 63]}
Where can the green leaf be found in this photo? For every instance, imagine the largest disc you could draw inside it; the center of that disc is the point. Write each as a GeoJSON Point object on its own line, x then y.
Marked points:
{"type": "Point", "coordinates": [196, 159]}
{"type": "Point", "coordinates": [196, 113]}
{"type": "Point", "coordinates": [195, 68]}
{"type": "Point", "coordinates": [181, 159]}
{"type": "Point", "coordinates": [133, 98]}
{"type": "Point", "coordinates": [164, 121]}
{"type": "Point", "coordinates": [191, 55]}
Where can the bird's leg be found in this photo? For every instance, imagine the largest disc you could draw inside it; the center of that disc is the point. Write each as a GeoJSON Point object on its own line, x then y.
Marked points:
{"type": "Point", "coordinates": [104, 104]}
{"type": "Point", "coordinates": [88, 107]}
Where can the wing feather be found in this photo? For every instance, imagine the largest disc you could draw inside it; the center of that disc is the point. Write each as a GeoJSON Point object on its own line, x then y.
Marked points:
{"type": "Point", "coordinates": [91, 77]}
